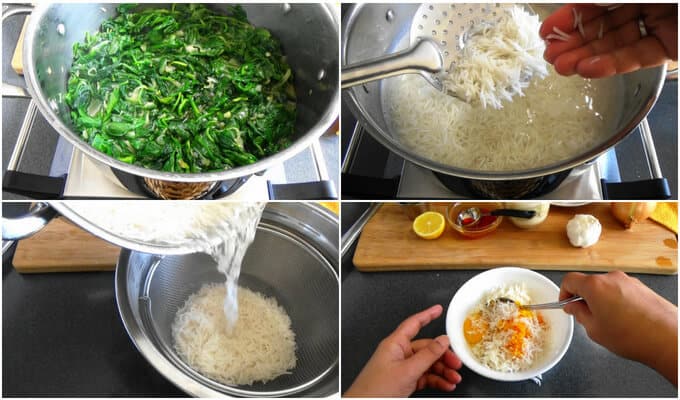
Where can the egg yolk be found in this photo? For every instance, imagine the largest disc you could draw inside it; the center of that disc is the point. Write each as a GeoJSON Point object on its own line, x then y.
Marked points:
{"type": "Point", "coordinates": [474, 328]}
{"type": "Point", "coordinates": [540, 319]}
{"type": "Point", "coordinates": [520, 331]}
{"type": "Point", "coordinates": [515, 344]}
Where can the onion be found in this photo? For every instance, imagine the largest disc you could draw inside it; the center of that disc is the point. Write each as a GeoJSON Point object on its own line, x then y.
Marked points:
{"type": "Point", "coordinates": [632, 213]}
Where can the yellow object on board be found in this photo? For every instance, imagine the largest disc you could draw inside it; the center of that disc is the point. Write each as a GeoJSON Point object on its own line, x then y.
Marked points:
{"type": "Point", "coordinates": [331, 205]}
{"type": "Point", "coordinates": [666, 214]}
{"type": "Point", "coordinates": [429, 225]}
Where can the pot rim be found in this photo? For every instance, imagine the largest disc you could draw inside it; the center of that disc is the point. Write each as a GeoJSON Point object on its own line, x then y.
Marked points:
{"type": "Point", "coordinates": [64, 208]}
{"type": "Point", "coordinates": [385, 139]}
{"type": "Point", "coordinates": [322, 125]}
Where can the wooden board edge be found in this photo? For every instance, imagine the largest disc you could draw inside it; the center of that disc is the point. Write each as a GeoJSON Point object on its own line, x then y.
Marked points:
{"type": "Point", "coordinates": [60, 268]}
{"type": "Point", "coordinates": [401, 268]}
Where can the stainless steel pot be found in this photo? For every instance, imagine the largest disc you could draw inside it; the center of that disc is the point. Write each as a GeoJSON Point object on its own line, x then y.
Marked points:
{"type": "Point", "coordinates": [42, 213]}
{"type": "Point", "coordinates": [308, 34]}
{"type": "Point", "coordinates": [372, 30]}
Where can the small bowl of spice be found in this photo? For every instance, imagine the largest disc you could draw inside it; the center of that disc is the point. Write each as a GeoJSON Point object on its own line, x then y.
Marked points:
{"type": "Point", "coordinates": [473, 220]}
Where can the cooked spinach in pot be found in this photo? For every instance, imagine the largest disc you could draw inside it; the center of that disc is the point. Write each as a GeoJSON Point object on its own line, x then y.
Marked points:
{"type": "Point", "coordinates": [182, 89]}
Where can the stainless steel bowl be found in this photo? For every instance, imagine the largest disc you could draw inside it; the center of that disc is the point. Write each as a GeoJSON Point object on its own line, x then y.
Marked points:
{"type": "Point", "coordinates": [294, 259]}
{"type": "Point", "coordinates": [308, 34]}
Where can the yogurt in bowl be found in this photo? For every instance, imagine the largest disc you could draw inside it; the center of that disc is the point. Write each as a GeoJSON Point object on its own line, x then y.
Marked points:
{"type": "Point", "coordinates": [554, 326]}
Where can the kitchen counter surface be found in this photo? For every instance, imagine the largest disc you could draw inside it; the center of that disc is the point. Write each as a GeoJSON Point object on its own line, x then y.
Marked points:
{"type": "Point", "coordinates": [62, 336]}
{"type": "Point", "coordinates": [373, 305]}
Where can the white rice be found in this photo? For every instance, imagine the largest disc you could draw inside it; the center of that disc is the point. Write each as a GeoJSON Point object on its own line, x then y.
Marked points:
{"type": "Point", "coordinates": [499, 60]}
{"type": "Point", "coordinates": [557, 118]}
{"type": "Point", "coordinates": [259, 348]}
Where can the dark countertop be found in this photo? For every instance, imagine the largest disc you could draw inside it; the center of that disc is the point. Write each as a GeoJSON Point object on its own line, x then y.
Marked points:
{"type": "Point", "coordinates": [62, 336]}
{"type": "Point", "coordinates": [373, 304]}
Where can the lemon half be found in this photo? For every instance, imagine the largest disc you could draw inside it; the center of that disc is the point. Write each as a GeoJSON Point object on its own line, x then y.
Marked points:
{"type": "Point", "coordinates": [429, 225]}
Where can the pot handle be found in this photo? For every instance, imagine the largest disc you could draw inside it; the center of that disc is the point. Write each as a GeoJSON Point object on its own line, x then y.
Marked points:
{"type": "Point", "coordinates": [27, 184]}
{"type": "Point", "coordinates": [319, 190]}
{"type": "Point", "coordinates": [323, 189]}
{"type": "Point", "coordinates": [29, 224]}
{"type": "Point", "coordinates": [656, 188]}
{"type": "Point", "coordinates": [9, 10]}
{"type": "Point", "coordinates": [13, 9]}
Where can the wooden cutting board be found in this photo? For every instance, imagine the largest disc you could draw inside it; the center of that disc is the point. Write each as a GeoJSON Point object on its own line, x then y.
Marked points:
{"type": "Point", "coordinates": [18, 56]}
{"type": "Point", "coordinates": [64, 247]}
{"type": "Point", "coordinates": [387, 243]}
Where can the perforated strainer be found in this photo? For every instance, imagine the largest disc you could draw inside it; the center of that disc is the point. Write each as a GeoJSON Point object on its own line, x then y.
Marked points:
{"type": "Point", "coordinates": [293, 259]}
{"type": "Point", "coordinates": [437, 36]}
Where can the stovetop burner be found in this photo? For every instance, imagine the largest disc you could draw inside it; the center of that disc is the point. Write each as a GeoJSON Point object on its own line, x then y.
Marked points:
{"type": "Point", "coordinates": [580, 183]}
{"type": "Point", "coordinates": [88, 179]}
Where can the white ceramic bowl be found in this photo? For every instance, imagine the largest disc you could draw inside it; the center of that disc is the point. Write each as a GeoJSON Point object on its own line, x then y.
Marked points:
{"type": "Point", "coordinates": [541, 290]}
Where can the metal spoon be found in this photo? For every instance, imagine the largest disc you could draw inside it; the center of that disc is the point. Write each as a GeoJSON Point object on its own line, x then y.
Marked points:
{"type": "Point", "coordinates": [472, 215]}
{"type": "Point", "coordinates": [438, 34]}
{"type": "Point", "coordinates": [543, 306]}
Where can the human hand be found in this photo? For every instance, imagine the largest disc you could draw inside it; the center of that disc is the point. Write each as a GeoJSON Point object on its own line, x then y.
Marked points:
{"type": "Point", "coordinates": [626, 317]}
{"type": "Point", "coordinates": [401, 366]}
{"type": "Point", "coordinates": [621, 47]}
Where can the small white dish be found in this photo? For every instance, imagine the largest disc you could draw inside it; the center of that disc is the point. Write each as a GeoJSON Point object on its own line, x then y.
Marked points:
{"type": "Point", "coordinates": [541, 290]}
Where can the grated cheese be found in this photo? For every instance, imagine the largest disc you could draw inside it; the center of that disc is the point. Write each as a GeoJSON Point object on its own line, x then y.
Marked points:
{"type": "Point", "coordinates": [502, 336]}
{"type": "Point", "coordinates": [498, 61]}
{"type": "Point", "coordinates": [260, 347]}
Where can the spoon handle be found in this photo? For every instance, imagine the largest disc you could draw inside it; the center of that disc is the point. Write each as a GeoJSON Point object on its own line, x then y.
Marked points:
{"type": "Point", "coordinates": [506, 212]}
{"type": "Point", "coordinates": [424, 56]}
{"type": "Point", "coordinates": [557, 304]}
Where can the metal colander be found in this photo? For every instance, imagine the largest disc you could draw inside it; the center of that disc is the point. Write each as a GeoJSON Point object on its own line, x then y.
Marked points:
{"type": "Point", "coordinates": [291, 260]}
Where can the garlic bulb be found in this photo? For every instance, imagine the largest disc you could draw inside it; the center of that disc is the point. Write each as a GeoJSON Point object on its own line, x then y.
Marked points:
{"type": "Point", "coordinates": [583, 230]}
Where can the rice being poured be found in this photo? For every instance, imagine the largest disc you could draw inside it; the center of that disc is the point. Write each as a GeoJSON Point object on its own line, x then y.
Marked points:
{"type": "Point", "coordinates": [499, 60]}
{"type": "Point", "coordinates": [260, 347]}
{"type": "Point", "coordinates": [223, 230]}
{"type": "Point", "coordinates": [502, 336]}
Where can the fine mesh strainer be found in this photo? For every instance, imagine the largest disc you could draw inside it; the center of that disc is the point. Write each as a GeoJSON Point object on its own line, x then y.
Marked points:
{"type": "Point", "coordinates": [292, 260]}
{"type": "Point", "coordinates": [438, 34]}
